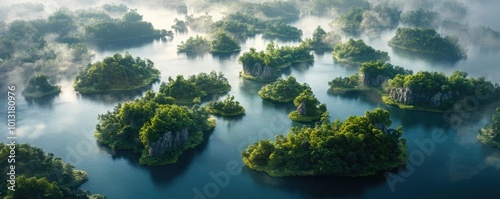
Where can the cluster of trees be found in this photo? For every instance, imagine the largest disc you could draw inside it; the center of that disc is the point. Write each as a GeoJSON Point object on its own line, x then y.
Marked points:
{"type": "Point", "coordinates": [345, 84]}
{"type": "Point", "coordinates": [190, 90]}
{"type": "Point", "coordinates": [425, 86]}
{"type": "Point", "coordinates": [199, 23]}
{"type": "Point", "coordinates": [420, 18]}
{"type": "Point", "coordinates": [41, 175]}
{"type": "Point", "coordinates": [196, 44]}
{"type": "Point", "coordinates": [427, 41]}
{"type": "Point", "coordinates": [282, 30]}
{"type": "Point", "coordinates": [164, 130]}
{"type": "Point", "coordinates": [350, 21]}
{"type": "Point", "coordinates": [322, 41]}
{"type": "Point", "coordinates": [275, 58]}
{"type": "Point", "coordinates": [322, 6]}
{"type": "Point", "coordinates": [283, 90]}
{"type": "Point", "coordinates": [358, 146]}
{"type": "Point", "coordinates": [355, 52]}
{"type": "Point", "coordinates": [117, 72]}
{"type": "Point", "coordinates": [179, 26]}
{"type": "Point", "coordinates": [283, 11]}
{"type": "Point", "coordinates": [224, 43]}
{"type": "Point", "coordinates": [227, 107]}
{"type": "Point", "coordinates": [308, 107]}
{"type": "Point", "coordinates": [375, 19]}
{"type": "Point", "coordinates": [38, 85]}
{"type": "Point", "coordinates": [490, 134]}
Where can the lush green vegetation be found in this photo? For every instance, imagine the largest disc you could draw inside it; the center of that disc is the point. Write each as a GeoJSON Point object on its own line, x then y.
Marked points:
{"type": "Point", "coordinates": [179, 26]}
{"type": "Point", "coordinates": [368, 20]}
{"type": "Point", "coordinates": [196, 44]}
{"type": "Point", "coordinates": [116, 73]}
{"type": "Point", "coordinates": [358, 146]}
{"type": "Point", "coordinates": [345, 84]}
{"type": "Point", "coordinates": [264, 66]}
{"type": "Point", "coordinates": [282, 90]}
{"type": "Point", "coordinates": [426, 41]}
{"type": "Point", "coordinates": [420, 18]}
{"type": "Point", "coordinates": [435, 91]}
{"type": "Point", "coordinates": [40, 175]}
{"type": "Point", "coordinates": [308, 107]}
{"type": "Point", "coordinates": [223, 43]}
{"type": "Point", "coordinates": [322, 41]}
{"type": "Point", "coordinates": [283, 11]}
{"type": "Point", "coordinates": [228, 107]}
{"type": "Point", "coordinates": [38, 86]}
{"type": "Point", "coordinates": [322, 6]}
{"type": "Point", "coordinates": [355, 52]}
{"type": "Point", "coordinates": [282, 30]}
{"type": "Point", "coordinates": [490, 134]}
{"type": "Point", "coordinates": [350, 21]}
{"type": "Point", "coordinates": [190, 90]}
{"type": "Point", "coordinates": [164, 130]}
{"type": "Point", "coordinates": [199, 23]}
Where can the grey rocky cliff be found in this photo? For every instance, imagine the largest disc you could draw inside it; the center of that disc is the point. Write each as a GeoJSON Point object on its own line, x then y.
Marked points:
{"type": "Point", "coordinates": [408, 97]}
{"type": "Point", "coordinates": [368, 79]}
{"type": "Point", "coordinates": [168, 141]}
{"type": "Point", "coordinates": [261, 72]}
{"type": "Point", "coordinates": [302, 109]}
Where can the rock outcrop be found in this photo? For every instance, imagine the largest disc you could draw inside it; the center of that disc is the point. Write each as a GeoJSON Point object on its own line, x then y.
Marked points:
{"type": "Point", "coordinates": [260, 72]}
{"type": "Point", "coordinates": [168, 141]}
{"type": "Point", "coordinates": [302, 109]}
{"type": "Point", "coordinates": [368, 79]}
{"type": "Point", "coordinates": [408, 97]}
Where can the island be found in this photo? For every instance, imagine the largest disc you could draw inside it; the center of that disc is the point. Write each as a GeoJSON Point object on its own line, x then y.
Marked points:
{"type": "Point", "coordinates": [420, 18]}
{"type": "Point", "coordinates": [227, 108]}
{"type": "Point", "coordinates": [114, 73]}
{"type": "Point", "coordinates": [490, 134]}
{"type": "Point", "coordinates": [196, 44]}
{"type": "Point", "coordinates": [359, 146]}
{"type": "Point", "coordinates": [39, 174]}
{"type": "Point", "coordinates": [308, 107]}
{"type": "Point", "coordinates": [279, 11]}
{"type": "Point", "coordinates": [282, 90]}
{"type": "Point", "coordinates": [38, 86]}
{"type": "Point", "coordinates": [322, 41]}
{"type": "Point", "coordinates": [432, 91]}
{"type": "Point", "coordinates": [179, 26]}
{"type": "Point", "coordinates": [355, 52]}
{"type": "Point", "coordinates": [265, 66]}
{"type": "Point", "coordinates": [192, 89]}
{"type": "Point", "coordinates": [426, 40]}
{"type": "Point", "coordinates": [282, 30]}
{"type": "Point", "coordinates": [155, 127]}
{"type": "Point", "coordinates": [224, 44]}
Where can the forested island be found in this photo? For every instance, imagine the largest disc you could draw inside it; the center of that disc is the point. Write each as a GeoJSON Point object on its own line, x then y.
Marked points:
{"type": "Point", "coordinates": [322, 41]}
{"type": "Point", "coordinates": [118, 72]}
{"type": "Point", "coordinates": [265, 66]}
{"type": "Point", "coordinates": [195, 44]}
{"type": "Point", "coordinates": [358, 146]}
{"type": "Point", "coordinates": [38, 85]}
{"type": "Point", "coordinates": [490, 134]}
{"type": "Point", "coordinates": [191, 90]}
{"type": "Point", "coordinates": [372, 75]}
{"type": "Point", "coordinates": [427, 41]}
{"type": "Point", "coordinates": [370, 20]}
{"type": "Point", "coordinates": [179, 26]}
{"type": "Point", "coordinates": [420, 18]}
{"type": "Point", "coordinates": [282, 90]}
{"type": "Point", "coordinates": [221, 44]}
{"type": "Point", "coordinates": [308, 107]}
{"type": "Point", "coordinates": [355, 52]}
{"type": "Point", "coordinates": [227, 108]}
{"type": "Point", "coordinates": [40, 175]}
{"type": "Point", "coordinates": [154, 127]}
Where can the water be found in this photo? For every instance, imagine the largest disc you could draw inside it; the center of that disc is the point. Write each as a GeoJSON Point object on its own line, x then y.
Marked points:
{"type": "Point", "coordinates": [457, 167]}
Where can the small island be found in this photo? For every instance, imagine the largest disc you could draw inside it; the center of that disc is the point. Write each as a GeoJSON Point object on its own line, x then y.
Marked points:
{"type": "Point", "coordinates": [196, 44]}
{"type": "Point", "coordinates": [359, 146]}
{"type": "Point", "coordinates": [192, 89]}
{"type": "Point", "coordinates": [226, 108]}
{"type": "Point", "coordinates": [39, 174]}
{"type": "Point", "coordinates": [265, 66]}
{"type": "Point", "coordinates": [426, 40]}
{"type": "Point", "coordinates": [116, 73]}
{"type": "Point", "coordinates": [309, 108]}
{"type": "Point", "coordinates": [490, 134]}
{"type": "Point", "coordinates": [223, 44]}
{"type": "Point", "coordinates": [282, 90]}
{"type": "Point", "coordinates": [322, 41]}
{"type": "Point", "coordinates": [155, 127]}
{"type": "Point", "coordinates": [38, 86]}
{"type": "Point", "coordinates": [355, 52]}
{"type": "Point", "coordinates": [179, 26]}
{"type": "Point", "coordinates": [282, 30]}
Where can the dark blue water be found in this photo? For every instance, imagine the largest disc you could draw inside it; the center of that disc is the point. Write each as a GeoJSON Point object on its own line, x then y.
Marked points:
{"type": "Point", "coordinates": [446, 160]}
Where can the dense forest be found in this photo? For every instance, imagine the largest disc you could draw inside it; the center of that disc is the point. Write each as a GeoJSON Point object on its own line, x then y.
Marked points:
{"type": "Point", "coordinates": [420, 18]}
{"type": "Point", "coordinates": [195, 44]}
{"type": "Point", "coordinates": [264, 66]}
{"type": "Point", "coordinates": [192, 89]}
{"type": "Point", "coordinates": [282, 90]}
{"type": "Point", "coordinates": [228, 107]}
{"type": "Point", "coordinates": [308, 107]}
{"type": "Point", "coordinates": [38, 85]}
{"type": "Point", "coordinates": [41, 175]}
{"type": "Point", "coordinates": [358, 146]}
{"type": "Point", "coordinates": [355, 52]}
{"type": "Point", "coordinates": [322, 41]}
{"type": "Point", "coordinates": [164, 130]}
{"type": "Point", "coordinates": [427, 41]}
{"type": "Point", "coordinates": [118, 72]}
{"type": "Point", "coordinates": [490, 134]}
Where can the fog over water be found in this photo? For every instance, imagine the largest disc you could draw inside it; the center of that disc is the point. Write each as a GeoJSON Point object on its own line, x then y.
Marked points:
{"type": "Point", "coordinates": [458, 167]}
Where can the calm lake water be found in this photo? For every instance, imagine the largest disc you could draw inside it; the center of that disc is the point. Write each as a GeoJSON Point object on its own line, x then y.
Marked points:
{"type": "Point", "coordinates": [453, 165]}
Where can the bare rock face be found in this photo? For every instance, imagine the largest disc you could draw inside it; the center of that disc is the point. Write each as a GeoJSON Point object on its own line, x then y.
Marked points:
{"type": "Point", "coordinates": [168, 141]}
{"type": "Point", "coordinates": [302, 109]}
{"type": "Point", "coordinates": [368, 80]}
{"type": "Point", "coordinates": [439, 98]}
{"type": "Point", "coordinates": [402, 95]}
{"type": "Point", "coordinates": [408, 97]}
{"type": "Point", "coordinates": [260, 72]}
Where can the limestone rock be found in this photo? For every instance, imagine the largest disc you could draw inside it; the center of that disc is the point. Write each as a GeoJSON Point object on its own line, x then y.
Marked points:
{"type": "Point", "coordinates": [302, 109]}
{"type": "Point", "coordinates": [168, 141]}
{"type": "Point", "coordinates": [261, 72]}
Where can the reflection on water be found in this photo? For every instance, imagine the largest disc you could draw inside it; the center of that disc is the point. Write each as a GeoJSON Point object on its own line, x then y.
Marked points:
{"type": "Point", "coordinates": [431, 59]}
{"type": "Point", "coordinates": [113, 97]}
{"type": "Point", "coordinates": [132, 43]}
{"type": "Point", "coordinates": [45, 101]}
